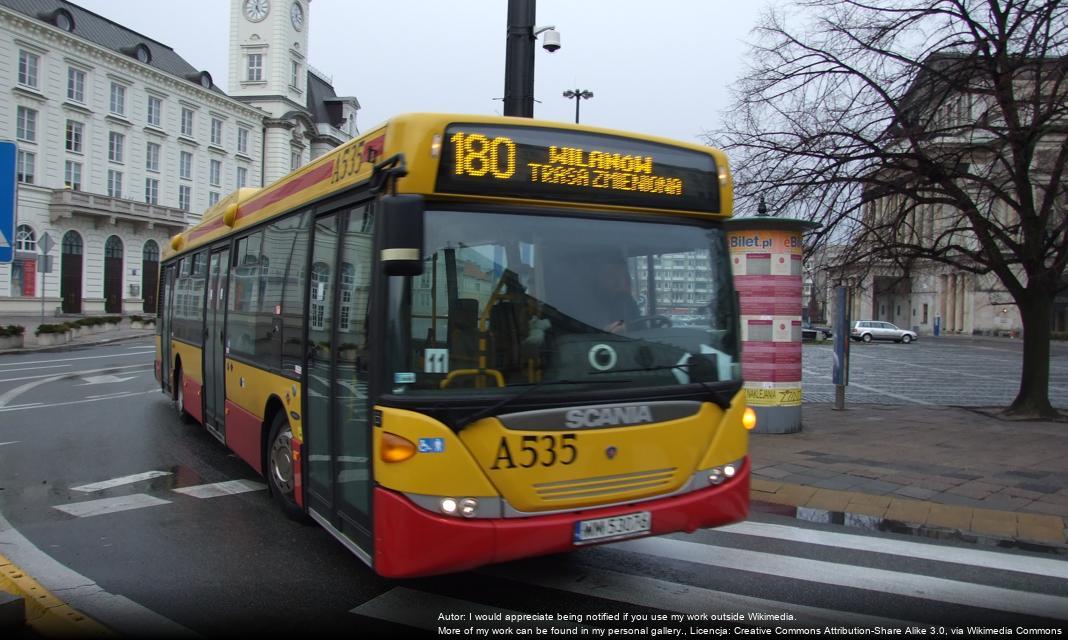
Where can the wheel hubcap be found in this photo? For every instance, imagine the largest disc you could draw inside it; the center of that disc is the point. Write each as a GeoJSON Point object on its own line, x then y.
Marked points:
{"type": "Point", "coordinates": [282, 461]}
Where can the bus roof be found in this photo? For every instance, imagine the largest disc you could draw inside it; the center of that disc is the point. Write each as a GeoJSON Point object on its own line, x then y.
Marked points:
{"type": "Point", "coordinates": [494, 159]}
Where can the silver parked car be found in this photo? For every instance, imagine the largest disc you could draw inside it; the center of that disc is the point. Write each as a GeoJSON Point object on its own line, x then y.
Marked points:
{"type": "Point", "coordinates": [868, 330]}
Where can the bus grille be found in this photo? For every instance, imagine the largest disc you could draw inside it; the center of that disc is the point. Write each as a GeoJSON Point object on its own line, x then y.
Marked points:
{"type": "Point", "coordinates": [603, 486]}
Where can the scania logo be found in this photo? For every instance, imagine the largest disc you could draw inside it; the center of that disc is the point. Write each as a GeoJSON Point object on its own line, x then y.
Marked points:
{"type": "Point", "coordinates": [608, 416]}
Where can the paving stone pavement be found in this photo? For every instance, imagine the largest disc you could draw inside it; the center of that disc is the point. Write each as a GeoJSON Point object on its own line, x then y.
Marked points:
{"type": "Point", "coordinates": [938, 470]}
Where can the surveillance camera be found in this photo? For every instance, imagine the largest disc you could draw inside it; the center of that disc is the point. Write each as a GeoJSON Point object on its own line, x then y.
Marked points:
{"type": "Point", "coordinates": [550, 40]}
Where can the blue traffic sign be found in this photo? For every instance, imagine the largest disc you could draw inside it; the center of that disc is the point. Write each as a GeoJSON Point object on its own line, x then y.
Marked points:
{"type": "Point", "coordinates": [8, 193]}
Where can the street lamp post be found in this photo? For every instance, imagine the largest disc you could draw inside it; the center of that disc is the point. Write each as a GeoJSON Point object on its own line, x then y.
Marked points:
{"type": "Point", "coordinates": [519, 57]}
{"type": "Point", "coordinates": [579, 95]}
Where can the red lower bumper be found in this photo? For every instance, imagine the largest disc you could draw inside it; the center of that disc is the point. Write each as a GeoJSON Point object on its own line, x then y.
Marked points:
{"type": "Point", "coordinates": [410, 541]}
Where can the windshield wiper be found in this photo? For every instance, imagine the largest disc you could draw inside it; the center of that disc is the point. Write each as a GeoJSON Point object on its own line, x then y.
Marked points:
{"type": "Point", "coordinates": [503, 402]}
{"type": "Point", "coordinates": [720, 397]}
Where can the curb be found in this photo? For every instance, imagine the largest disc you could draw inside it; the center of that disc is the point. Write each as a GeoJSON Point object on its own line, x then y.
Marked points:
{"type": "Point", "coordinates": [1028, 531]}
{"type": "Point", "coordinates": [45, 613]}
{"type": "Point", "coordinates": [70, 345]}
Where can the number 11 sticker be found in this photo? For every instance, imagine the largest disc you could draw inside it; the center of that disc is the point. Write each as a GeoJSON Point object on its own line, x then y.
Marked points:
{"type": "Point", "coordinates": [436, 361]}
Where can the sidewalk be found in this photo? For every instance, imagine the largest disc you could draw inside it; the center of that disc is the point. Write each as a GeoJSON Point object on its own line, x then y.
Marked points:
{"type": "Point", "coordinates": [937, 471]}
{"type": "Point", "coordinates": [123, 332]}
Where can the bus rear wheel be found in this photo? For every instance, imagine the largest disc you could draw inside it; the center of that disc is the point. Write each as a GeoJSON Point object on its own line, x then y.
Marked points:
{"type": "Point", "coordinates": [280, 469]}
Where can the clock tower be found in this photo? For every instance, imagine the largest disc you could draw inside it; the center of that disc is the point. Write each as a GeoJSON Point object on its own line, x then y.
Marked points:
{"type": "Point", "coordinates": [269, 70]}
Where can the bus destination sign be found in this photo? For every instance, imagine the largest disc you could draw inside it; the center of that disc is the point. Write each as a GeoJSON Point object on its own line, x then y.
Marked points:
{"type": "Point", "coordinates": [572, 166]}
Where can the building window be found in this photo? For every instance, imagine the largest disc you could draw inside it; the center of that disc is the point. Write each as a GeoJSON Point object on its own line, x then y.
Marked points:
{"type": "Point", "coordinates": [75, 84]}
{"type": "Point", "coordinates": [242, 177]}
{"type": "Point", "coordinates": [215, 173]}
{"type": "Point", "coordinates": [185, 196]}
{"type": "Point", "coordinates": [116, 142]}
{"type": "Point", "coordinates": [114, 183]}
{"type": "Point", "coordinates": [25, 164]}
{"type": "Point", "coordinates": [26, 124]}
{"type": "Point", "coordinates": [294, 159]}
{"type": "Point", "coordinates": [25, 239]}
{"type": "Point", "coordinates": [213, 198]}
{"type": "Point", "coordinates": [118, 99]}
{"type": "Point", "coordinates": [242, 140]}
{"type": "Point", "coordinates": [151, 191]}
{"type": "Point", "coordinates": [28, 63]}
{"type": "Point", "coordinates": [185, 165]}
{"type": "Point", "coordinates": [187, 122]}
{"type": "Point", "coordinates": [216, 131]}
{"type": "Point", "coordinates": [152, 156]}
{"type": "Point", "coordinates": [294, 73]}
{"type": "Point", "coordinates": [75, 135]}
{"type": "Point", "coordinates": [255, 67]}
{"type": "Point", "coordinates": [155, 111]}
{"type": "Point", "coordinates": [72, 175]}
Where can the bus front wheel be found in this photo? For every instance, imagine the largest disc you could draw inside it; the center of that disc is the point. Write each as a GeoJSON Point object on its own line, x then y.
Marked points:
{"type": "Point", "coordinates": [280, 471]}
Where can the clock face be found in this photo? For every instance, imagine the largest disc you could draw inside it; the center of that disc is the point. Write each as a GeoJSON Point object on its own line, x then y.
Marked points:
{"type": "Point", "coordinates": [256, 10]}
{"type": "Point", "coordinates": [296, 14]}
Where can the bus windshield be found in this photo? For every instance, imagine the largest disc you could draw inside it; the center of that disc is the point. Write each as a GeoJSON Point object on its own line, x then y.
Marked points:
{"type": "Point", "coordinates": [574, 303]}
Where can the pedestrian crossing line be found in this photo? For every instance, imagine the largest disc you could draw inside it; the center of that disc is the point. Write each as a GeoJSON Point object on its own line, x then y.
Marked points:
{"type": "Point", "coordinates": [218, 489]}
{"type": "Point", "coordinates": [919, 550]}
{"type": "Point", "coordinates": [118, 482]}
{"type": "Point", "coordinates": [110, 505]}
{"type": "Point", "coordinates": [844, 575]}
{"type": "Point", "coordinates": [680, 598]}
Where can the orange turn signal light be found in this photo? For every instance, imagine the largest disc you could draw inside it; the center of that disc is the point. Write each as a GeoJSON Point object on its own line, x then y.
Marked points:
{"type": "Point", "coordinates": [395, 448]}
{"type": "Point", "coordinates": [749, 419]}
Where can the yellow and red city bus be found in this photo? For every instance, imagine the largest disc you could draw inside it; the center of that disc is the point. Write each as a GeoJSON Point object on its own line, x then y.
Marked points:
{"type": "Point", "coordinates": [409, 338]}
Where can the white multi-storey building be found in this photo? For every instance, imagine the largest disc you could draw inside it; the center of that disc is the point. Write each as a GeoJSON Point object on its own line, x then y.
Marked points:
{"type": "Point", "coordinates": [122, 143]}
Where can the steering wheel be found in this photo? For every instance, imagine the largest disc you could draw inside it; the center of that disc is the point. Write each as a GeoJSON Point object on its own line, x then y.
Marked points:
{"type": "Point", "coordinates": [649, 322]}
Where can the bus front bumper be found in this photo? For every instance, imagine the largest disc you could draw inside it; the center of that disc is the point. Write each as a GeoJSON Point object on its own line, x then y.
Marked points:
{"type": "Point", "coordinates": [411, 541]}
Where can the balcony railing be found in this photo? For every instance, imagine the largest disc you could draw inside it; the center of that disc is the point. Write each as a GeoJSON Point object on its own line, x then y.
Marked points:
{"type": "Point", "coordinates": [67, 203]}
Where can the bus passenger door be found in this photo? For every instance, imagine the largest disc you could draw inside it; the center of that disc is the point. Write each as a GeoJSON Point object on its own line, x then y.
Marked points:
{"type": "Point", "coordinates": [214, 348]}
{"type": "Point", "coordinates": [336, 428]}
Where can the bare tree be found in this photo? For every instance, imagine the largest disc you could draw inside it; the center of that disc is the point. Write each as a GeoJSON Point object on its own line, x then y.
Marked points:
{"type": "Point", "coordinates": [924, 130]}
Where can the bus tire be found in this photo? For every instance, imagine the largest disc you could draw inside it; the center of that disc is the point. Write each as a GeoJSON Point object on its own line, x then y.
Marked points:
{"type": "Point", "coordinates": [179, 397]}
{"type": "Point", "coordinates": [279, 469]}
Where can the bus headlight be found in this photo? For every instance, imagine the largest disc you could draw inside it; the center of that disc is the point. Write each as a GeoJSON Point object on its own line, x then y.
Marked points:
{"type": "Point", "coordinates": [449, 506]}
{"type": "Point", "coordinates": [468, 507]}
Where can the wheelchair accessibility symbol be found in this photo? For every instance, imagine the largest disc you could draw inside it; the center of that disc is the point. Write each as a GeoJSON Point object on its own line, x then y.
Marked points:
{"type": "Point", "coordinates": [431, 445]}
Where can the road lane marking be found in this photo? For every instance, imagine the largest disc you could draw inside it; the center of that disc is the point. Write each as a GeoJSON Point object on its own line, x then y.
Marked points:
{"type": "Point", "coordinates": [38, 405]}
{"type": "Point", "coordinates": [51, 366]}
{"type": "Point", "coordinates": [118, 482]}
{"type": "Point", "coordinates": [218, 489]}
{"type": "Point", "coordinates": [12, 442]}
{"type": "Point", "coordinates": [954, 555]}
{"type": "Point", "coordinates": [676, 596]}
{"type": "Point", "coordinates": [113, 355]}
{"type": "Point", "coordinates": [104, 506]}
{"type": "Point", "coordinates": [145, 369]}
{"type": "Point", "coordinates": [17, 391]}
{"type": "Point", "coordinates": [854, 577]}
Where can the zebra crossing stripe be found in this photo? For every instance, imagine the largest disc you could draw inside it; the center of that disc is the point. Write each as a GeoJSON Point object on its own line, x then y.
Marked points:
{"type": "Point", "coordinates": [110, 505]}
{"type": "Point", "coordinates": [682, 598]}
{"type": "Point", "coordinates": [118, 482]}
{"type": "Point", "coordinates": [955, 555]}
{"type": "Point", "coordinates": [845, 575]}
{"type": "Point", "coordinates": [228, 488]}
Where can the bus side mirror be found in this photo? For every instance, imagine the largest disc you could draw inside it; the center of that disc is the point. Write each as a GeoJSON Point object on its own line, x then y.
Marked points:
{"type": "Point", "coordinates": [401, 222]}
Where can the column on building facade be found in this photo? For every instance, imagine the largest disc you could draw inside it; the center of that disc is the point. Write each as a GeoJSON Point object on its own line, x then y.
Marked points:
{"type": "Point", "coordinates": [961, 308]}
{"type": "Point", "coordinates": [951, 320]}
{"type": "Point", "coordinates": [277, 158]}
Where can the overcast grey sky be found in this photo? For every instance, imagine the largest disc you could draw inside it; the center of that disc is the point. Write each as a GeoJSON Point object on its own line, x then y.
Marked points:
{"type": "Point", "coordinates": [661, 67]}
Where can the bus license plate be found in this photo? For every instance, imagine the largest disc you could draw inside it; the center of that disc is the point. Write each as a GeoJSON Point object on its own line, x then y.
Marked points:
{"type": "Point", "coordinates": [625, 526]}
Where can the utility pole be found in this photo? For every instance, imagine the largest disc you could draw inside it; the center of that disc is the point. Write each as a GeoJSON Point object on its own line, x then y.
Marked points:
{"type": "Point", "coordinates": [519, 60]}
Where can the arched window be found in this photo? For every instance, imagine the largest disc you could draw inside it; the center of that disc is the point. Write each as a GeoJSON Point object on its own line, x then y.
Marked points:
{"type": "Point", "coordinates": [113, 247]}
{"type": "Point", "coordinates": [25, 238]}
{"type": "Point", "coordinates": [72, 244]}
{"type": "Point", "coordinates": [151, 252]}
